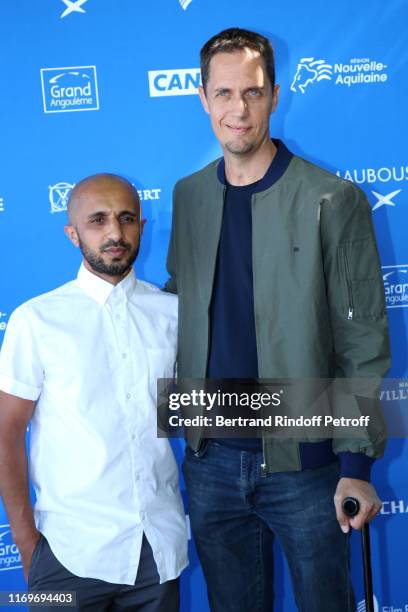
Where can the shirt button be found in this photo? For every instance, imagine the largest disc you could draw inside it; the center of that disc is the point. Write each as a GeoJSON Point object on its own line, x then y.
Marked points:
{"type": "Point", "coordinates": [133, 437]}
{"type": "Point", "coordinates": [137, 477]}
{"type": "Point", "coordinates": [128, 396]}
{"type": "Point", "coordinates": [142, 515]}
{"type": "Point", "coordinates": [117, 317]}
{"type": "Point", "coordinates": [124, 355]}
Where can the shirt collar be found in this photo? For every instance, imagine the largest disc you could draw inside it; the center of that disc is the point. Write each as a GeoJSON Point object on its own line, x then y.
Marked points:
{"type": "Point", "coordinates": [100, 290]}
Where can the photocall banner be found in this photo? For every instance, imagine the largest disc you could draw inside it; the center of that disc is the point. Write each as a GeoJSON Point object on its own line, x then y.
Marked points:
{"type": "Point", "coordinates": [99, 86]}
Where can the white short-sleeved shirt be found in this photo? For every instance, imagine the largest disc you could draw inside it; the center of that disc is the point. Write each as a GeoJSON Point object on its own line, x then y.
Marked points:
{"type": "Point", "coordinates": [91, 353]}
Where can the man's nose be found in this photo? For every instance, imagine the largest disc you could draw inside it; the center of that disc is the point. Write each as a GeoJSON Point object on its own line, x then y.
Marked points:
{"type": "Point", "coordinates": [239, 105]}
{"type": "Point", "coordinates": [115, 229]}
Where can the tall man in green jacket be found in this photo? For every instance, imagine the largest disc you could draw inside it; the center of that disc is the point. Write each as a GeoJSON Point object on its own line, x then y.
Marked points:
{"type": "Point", "coordinates": [277, 270]}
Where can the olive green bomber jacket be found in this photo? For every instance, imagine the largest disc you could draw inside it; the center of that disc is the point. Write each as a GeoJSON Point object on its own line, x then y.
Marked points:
{"type": "Point", "coordinates": [318, 291]}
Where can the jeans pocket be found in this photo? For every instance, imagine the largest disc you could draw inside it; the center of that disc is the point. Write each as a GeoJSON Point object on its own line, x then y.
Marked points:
{"type": "Point", "coordinates": [34, 558]}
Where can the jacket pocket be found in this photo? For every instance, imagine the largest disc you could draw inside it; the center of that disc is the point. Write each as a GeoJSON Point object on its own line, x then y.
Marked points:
{"type": "Point", "coordinates": [361, 280]}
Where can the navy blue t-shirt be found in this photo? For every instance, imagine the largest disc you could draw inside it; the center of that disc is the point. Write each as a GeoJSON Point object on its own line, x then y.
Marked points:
{"type": "Point", "coordinates": [233, 350]}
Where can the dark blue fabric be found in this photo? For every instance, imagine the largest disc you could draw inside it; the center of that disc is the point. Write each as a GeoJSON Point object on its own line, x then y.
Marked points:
{"type": "Point", "coordinates": [47, 573]}
{"type": "Point", "coordinates": [235, 511]}
{"type": "Point", "coordinates": [355, 465]}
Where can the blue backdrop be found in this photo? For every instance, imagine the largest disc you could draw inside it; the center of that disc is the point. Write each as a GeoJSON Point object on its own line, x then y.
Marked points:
{"type": "Point", "coordinates": [101, 85]}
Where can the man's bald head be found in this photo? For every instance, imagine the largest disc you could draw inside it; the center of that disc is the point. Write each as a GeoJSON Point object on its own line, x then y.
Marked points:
{"type": "Point", "coordinates": [92, 186]}
{"type": "Point", "coordinates": [105, 223]}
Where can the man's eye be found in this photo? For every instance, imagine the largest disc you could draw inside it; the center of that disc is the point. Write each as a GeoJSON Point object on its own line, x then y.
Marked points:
{"type": "Point", "coordinates": [254, 93]}
{"type": "Point", "coordinates": [222, 93]}
{"type": "Point", "coordinates": [127, 219]}
{"type": "Point", "coordinates": [97, 220]}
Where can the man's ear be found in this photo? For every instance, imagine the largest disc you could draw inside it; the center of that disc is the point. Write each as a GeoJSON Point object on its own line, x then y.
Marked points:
{"type": "Point", "coordinates": [203, 98]}
{"type": "Point", "coordinates": [142, 224]}
{"type": "Point", "coordinates": [71, 232]}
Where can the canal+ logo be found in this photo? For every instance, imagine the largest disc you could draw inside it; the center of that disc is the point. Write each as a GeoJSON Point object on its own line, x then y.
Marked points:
{"type": "Point", "coordinates": [69, 89]}
{"type": "Point", "coordinates": [9, 556]}
{"type": "Point", "coordinates": [177, 82]}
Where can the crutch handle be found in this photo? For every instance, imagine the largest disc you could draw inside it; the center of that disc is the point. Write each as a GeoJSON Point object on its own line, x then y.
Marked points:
{"type": "Point", "coordinates": [351, 506]}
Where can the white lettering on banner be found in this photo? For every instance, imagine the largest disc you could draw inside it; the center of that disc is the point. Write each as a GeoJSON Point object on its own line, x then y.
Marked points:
{"type": "Point", "coordinates": [73, 6]}
{"type": "Point", "coordinates": [357, 71]}
{"type": "Point", "coordinates": [177, 82]}
{"type": "Point", "coordinates": [149, 194]}
{"type": "Point", "coordinates": [1, 204]}
{"type": "Point", "coordinates": [69, 89]}
{"type": "Point", "coordinates": [3, 324]}
{"type": "Point", "coordinates": [396, 286]}
{"type": "Point", "coordinates": [9, 556]}
{"type": "Point", "coordinates": [394, 395]}
{"type": "Point", "coordinates": [394, 507]}
{"type": "Point", "coordinates": [60, 192]}
{"type": "Point", "coordinates": [375, 175]}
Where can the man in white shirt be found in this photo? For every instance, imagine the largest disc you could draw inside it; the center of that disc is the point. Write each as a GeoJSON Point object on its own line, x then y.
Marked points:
{"type": "Point", "coordinates": [81, 362]}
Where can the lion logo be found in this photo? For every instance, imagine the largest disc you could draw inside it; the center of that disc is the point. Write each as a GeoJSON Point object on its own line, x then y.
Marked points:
{"type": "Point", "coordinates": [310, 71]}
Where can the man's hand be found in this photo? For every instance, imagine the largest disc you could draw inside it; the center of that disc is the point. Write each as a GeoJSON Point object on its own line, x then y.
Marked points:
{"type": "Point", "coordinates": [365, 493]}
{"type": "Point", "coordinates": [26, 551]}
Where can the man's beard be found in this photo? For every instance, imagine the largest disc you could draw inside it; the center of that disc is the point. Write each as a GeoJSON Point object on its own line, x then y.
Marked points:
{"type": "Point", "coordinates": [240, 149]}
{"type": "Point", "coordinates": [97, 263]}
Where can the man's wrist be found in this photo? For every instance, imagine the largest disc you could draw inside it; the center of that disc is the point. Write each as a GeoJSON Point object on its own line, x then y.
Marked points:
{"type": "Point", "coordinates": [25, 537]}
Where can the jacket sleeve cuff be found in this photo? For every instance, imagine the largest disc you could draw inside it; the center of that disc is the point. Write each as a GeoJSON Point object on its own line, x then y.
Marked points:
{"type": "Point", "coordinates": [355, 465]}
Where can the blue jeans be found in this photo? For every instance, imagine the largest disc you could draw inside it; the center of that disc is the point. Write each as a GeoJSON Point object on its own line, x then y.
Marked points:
{"type": "Point", "coordinates": [235, 512]}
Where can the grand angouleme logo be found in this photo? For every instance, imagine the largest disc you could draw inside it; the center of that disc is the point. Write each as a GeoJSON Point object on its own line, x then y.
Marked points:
{"type": "Point", "coordinates": [68, 89]}
{"type": "Point", "coordinates": [396, 286]}
{"type": "Point", "coordinates": [357, 71]}
{"type": "Point", "coordinates": [176, 82]}
{"type": "Point", "coordinates": [9, 556]}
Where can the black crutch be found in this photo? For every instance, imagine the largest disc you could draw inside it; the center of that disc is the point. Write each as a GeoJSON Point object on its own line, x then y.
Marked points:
{"type": "Point", "coordinates": [351, 507]}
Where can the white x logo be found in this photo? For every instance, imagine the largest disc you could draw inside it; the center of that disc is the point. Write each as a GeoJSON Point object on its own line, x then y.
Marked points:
{"type": "Point", "coordinates": [73, 6]}
{"type": "Point", "coordinates": [184, 4]}
{"type": "Point", "coordinates": [385, 200]}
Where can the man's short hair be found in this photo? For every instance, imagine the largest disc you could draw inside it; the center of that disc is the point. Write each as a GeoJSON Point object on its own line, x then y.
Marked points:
{"type": "Point", "coordinates": [237, 39]}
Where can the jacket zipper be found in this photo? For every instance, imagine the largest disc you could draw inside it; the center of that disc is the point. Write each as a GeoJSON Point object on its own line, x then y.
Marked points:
{"type": "Point", "coordinates": [349, 289]}
{"type": "Point", "coordinates": [263, 464]}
